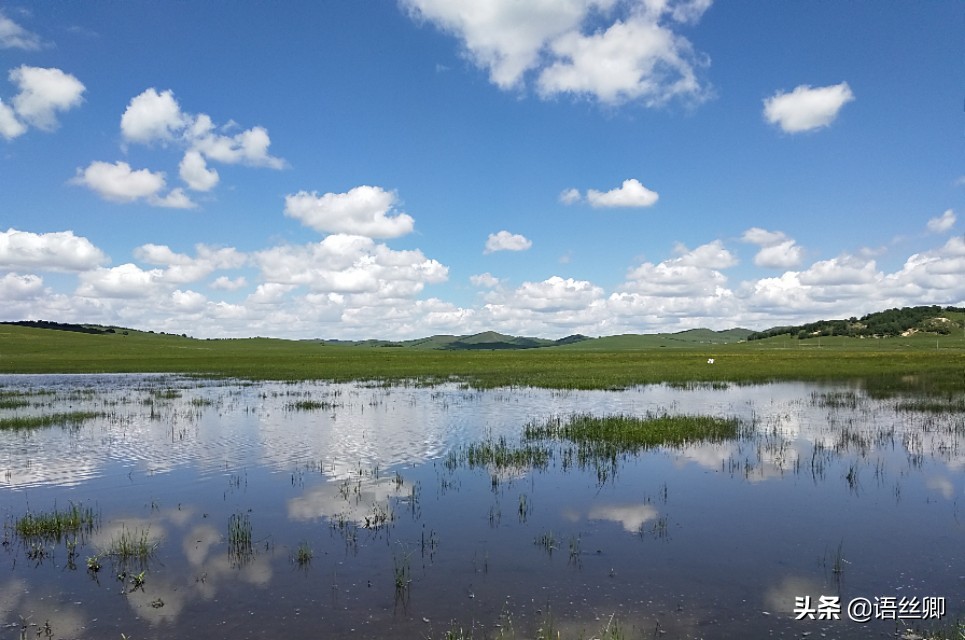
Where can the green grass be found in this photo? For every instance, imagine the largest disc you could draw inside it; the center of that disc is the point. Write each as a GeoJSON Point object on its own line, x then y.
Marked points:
{"type": "Point", "coordinates": [55, 524]}
{"type": "Point", "coordinates": [500, 455]}
{"type": "Point", "coordinates": [132, 545]}
{"type": "Point", "coordinates": [928, 362]}
{"type": "Point", "coordinates": [625, 433]}
{"type": "Point", "coordinates": [239, 537]}
{"type": "Point", "coordinates": [72, 419]}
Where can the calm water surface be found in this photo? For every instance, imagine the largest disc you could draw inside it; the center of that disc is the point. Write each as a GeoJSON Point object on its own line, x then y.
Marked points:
{"type": "Point", "coordinates": [828, 492]}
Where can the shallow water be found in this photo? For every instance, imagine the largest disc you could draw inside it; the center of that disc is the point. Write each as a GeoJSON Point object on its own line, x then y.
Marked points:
{"type": "Point", "coordinates": [829, 492]}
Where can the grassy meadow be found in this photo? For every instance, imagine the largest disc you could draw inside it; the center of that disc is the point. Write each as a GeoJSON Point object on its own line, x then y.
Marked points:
{"type": "Point", "coordinates": [932, 362]}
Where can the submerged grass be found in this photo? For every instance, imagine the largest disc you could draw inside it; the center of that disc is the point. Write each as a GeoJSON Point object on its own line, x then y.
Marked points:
{"type": "Point", "coordinates": [132, 544]}
{"type": "Point", "coordinates": [500, 455]}
{"type": "Point", "coordinates": [55, 524]}
{"type": "Point", "coordinates": [627, 434]}
{"type": "Point", "coordinates": [71, 419]}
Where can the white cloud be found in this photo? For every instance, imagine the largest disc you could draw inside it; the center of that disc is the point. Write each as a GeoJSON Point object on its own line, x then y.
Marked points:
{"type": "Point", "coordinates": [57, 251]}
{"type": "Point", "coordinates": [44, 92]}
{"type": "Point", "coordinates": [350, 264]}
{"type": "Point", "coordinates": [174, 199]}
{"type": "Point", "coordinates": [807, 108]}
{"type": "Point", "coordinates": [17, 287]}
{"type": "Point", "coordinates": [227, 284]}
{"type": "Point", "coordinates": [485, 280]}
{"type": "Point", "coordinates": [367, 211]}
{"type": "Point", "coordinates": [10, 127]}
{"type": "Point", "coordinates": [777, 250]}
{"type": "Point", "coordinates": [119, 183]}
{"type": "Point", "coordinates": [13, 36]}
{"type": "Point", "coordinates": [506, 241]}
{"type": "Point", "coordinates": [249, 147]}
{"type": "Point", "coordinates": [181, 268]}
{"type": "Point", "coordinates": [151, 116]}
{"type": "Point", "coordinates": [195, 173]}
{"type": "Point", "coordinates": [504, 36]}
{"type": "Point", "coordinates": [554, 296]}
{"type": "Point", "coordinates": [843, 270]}
{"type": "Point", "coordinates": [942, 223]}
{"type": "Point", "coordinates": [630, 194]}
{"type": "Point", "coordinates": [188, 301]}
{"type": "Point", "coordinates": [712, 255]}
{"type": "Point", "coordinates": [124, 281]}
{"type": "Point", "coordinates": [157, 117]}
{"type": "Point", "coordinates": [636, 57]}
{"type": "Point", "coordinates": [570, 196]}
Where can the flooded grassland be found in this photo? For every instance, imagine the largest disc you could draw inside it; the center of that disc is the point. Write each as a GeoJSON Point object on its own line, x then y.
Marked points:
{"type": "Point", "coordinates": [167, 507]}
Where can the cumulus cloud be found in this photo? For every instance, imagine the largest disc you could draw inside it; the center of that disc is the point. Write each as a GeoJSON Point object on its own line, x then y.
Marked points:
{"type": "Point", "coordinates": [124, 281]}
{"type": "Point", "coordinates": [506, 241]}
{"type": "Point", "coordinates": [630, 194]}
{"type": "Point", "coordinates": [20, 287]}
{"type": "Point", "coordinates": [181, 268]}
{"type": "Point", "coordinates": [57, 251]}
{"type": "Point", "coordinates": [157, 117]}
{"type": "Point", "coordinates": [350, 264]}
{"type": "Point", "coordinates": [485, 280]}
{"type": "Point", "coordinates": [942, 223]}
{"type": "Point", "coordinates": [13, 36]}
{"type": "Point", "coordinates": [638, 56]}
{"type": "Point", "coordinates": [10, 127]}
{"type": "Point", "coordinates": [365, 211]}
{"type": "Point", "coordinates": [195, 172]}
{"type": "Point", "coordinates": [43, 93]}
{"type": "Point", "coordinates": [151, 116]}
{"type": "Point", "coordinates": [639, 59]}
{"type": "Point", "coordinates": [807, 108]}
{"type": "Point", "coordinates": [118, 182]}
{"type": "Point", "coordinates": [777, 251]}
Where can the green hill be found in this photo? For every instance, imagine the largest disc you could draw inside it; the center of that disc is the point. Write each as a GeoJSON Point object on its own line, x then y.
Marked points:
{"type": "Point", "coordinates": [891, 323]}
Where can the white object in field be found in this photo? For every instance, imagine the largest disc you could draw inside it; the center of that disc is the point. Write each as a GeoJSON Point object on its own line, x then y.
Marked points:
{"type": "Point", "coordinates": [710, 361]}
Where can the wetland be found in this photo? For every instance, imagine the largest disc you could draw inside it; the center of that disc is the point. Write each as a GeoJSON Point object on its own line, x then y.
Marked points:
{"type": "Point", "coordinates": [163, 506]}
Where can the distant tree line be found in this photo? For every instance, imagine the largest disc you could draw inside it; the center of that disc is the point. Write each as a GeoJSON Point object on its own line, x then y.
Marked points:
{"type": "Point", "coordinates": [892, 322]}
{"type": "Point", "coordinates": [61, 326]}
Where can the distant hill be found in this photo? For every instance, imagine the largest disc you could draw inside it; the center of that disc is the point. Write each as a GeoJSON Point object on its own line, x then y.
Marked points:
{"type": "Point", "coordinates": [689, 338]}
{"type": "Point", "coordinates": [881, 324]}
{"type": "Point", "coordinates": [491, 340]}
{"type": "Point", "coordinates": [488, 340]}
{"type": "Point", "coordinates": [933, 319]}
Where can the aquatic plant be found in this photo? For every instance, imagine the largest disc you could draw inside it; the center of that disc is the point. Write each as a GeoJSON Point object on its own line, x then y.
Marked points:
{"type": "Point", "coordinates": [132, 544]}
{"type": "Point", "coordinates": [71, 419]}
{"type": "Point", "coordinates": [55, 524]}
{"type": "Point", "coordinates": [625, 433]}
{"type": "Point", "coordinates": [239, 537]}
{"type": "Point", "coordinates": [303, 555]}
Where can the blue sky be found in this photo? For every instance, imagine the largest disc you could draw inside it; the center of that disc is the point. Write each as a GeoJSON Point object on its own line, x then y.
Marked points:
{"type": "Point", "coordinates": [400, 169]}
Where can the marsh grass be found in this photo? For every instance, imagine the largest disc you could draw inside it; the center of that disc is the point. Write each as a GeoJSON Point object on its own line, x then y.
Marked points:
{"type": "Point", "coordinates": [885, 365]}
{"type": "Point", "coordinates": [302, 556]}
{"type": "Point", "coordinates": [629, 434]}
{"type": "Point", "coordinates": [239, 538]}
{"type": "Point", "coordinates": [71, 419]}
{"type": "Point", "coordinates": [500, 455]}
{"type": "Point", "coordinates": [56, 524]}
{"type": "Point", "coordinates": [940, 404]}
{"type": "Point", "coordinates": [132, 545]}
{"type": "Point", "coordinates": [308, 405]}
